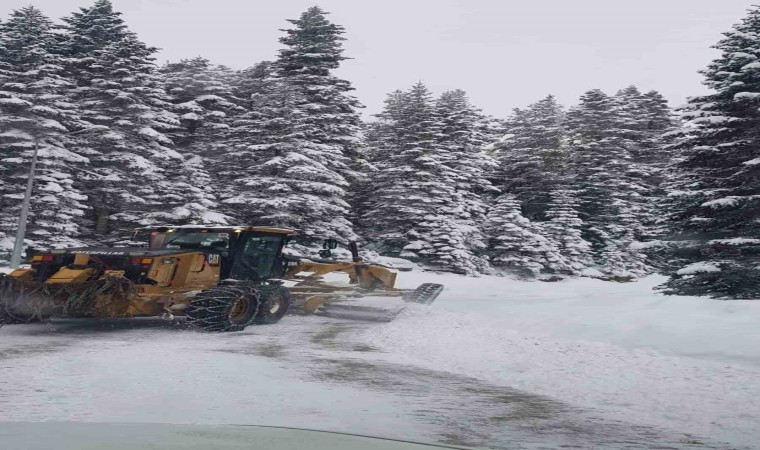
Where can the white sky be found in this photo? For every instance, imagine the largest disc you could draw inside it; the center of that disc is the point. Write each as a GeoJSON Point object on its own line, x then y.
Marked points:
{"type": "Point", "coordinates": [504, 53]}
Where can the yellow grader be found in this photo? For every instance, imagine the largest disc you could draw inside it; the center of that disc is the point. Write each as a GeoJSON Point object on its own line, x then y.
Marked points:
{"type": "Point", "coordinates": [220, 278]}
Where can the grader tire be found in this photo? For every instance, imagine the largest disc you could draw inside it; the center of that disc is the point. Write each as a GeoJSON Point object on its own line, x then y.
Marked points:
{"type": "Point", "coordinates": [223, 308]}
{"type": "Point", "coordinates": [425, 293]}
{"type": "Point", "coordinates": [274, 304]}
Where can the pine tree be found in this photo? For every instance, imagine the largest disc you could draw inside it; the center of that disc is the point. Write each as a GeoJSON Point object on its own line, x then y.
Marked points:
{"type": "Point", "coordinates": [607, 195]}
{"type": "Point", "coordinates": [382, 140]}
{"type": "Point", "coordinates": [517, 245]}
{"type": "Point", "coordinates": [717, 195]}
{"type": "Point", "coordinates": [118, 88]}
{"type": "Point", "coordinates": [383, 137]}
{"type": "Point", "coordinates": [414, 207]}
{"type": "Point", "coordinates": [330, 124]}
{"type": "Point", "coordinates": [564, 229]}
{"type": "Point", "coordinates": [33, 112]}
{"type": "Point", "coordinates": [532, 159]}
{"type": "Point", "coordinates": [277, 177]}
{"type": "Point", "coordinates": [643, 121]}
{"type": "Point", "coordinates": [360, 188]}
{"type": "Point", "coordinates": [94, 28]}
{"type": "Point", "coordinates": [201, 95]}
{"type": "Point", "coordinates": [463, 138]}
{"type": "Point", "coordinates": [248, 83]}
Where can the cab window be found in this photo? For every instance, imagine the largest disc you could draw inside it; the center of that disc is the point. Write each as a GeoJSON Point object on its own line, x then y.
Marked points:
{"type": "Point", "coordinates": [202, 241]}
{"type": "Point", "coordinates": [257, 257]}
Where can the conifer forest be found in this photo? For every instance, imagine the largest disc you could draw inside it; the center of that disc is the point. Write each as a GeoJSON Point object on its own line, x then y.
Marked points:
{"type": "Point", "coordinates": [616, 186]}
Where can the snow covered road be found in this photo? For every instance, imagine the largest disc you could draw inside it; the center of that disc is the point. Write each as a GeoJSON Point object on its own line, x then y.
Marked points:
{"type": "Point", "coordinates": [494, 363]}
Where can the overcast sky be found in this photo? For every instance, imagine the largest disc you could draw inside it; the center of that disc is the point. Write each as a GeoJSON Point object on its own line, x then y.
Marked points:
{"type": "Point", "coordinates": [504, 53]}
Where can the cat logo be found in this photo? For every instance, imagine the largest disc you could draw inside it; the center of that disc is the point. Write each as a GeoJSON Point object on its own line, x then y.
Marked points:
{"type": "Point", "coordinates": [213, 259]}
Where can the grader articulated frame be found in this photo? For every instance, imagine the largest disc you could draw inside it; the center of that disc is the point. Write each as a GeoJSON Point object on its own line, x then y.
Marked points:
{"type": "Point", "coordinates": [221, 278]}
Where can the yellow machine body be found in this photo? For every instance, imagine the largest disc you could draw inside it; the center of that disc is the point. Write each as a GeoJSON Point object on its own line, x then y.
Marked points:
{"type": "Point", "coordinates": [162, 280]}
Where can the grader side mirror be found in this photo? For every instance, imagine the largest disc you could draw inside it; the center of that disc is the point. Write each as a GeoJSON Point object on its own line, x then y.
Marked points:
{"type": "Point", "coordinates": [330, 244]}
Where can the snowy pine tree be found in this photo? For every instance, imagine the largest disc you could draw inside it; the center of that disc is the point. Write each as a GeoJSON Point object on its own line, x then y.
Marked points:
{"type": "Point", "coordinates": [716, 198]}
{"type": "Point", "coordinates": [643, 121]}
{"type": "Point", "coordinates": [464, 141]}
{"type": "Point", "coordinates": [274, 176]}
{"type": "Point", "coordinates": [532, 159]}
{"type": "Point", "coordinates": [117, 87]}
{"type": "Point", "coordinates": [414, 210]}
{"type": "Point", "coordinates": [93, 28]}
{"type": "Point", "coordinates": [383, 137]}
{"type": "Point", "coordinates": [329, 124]}
{"type": "Point", "coordinates": [565, 230]}
{"type": "Point", "coordinates": [608, 196]}
{"type": "Point", "coordinates": [201, 95]}
{"type": "Point", "coordinates": [517, 245]}
{"type": "Point", "coordinates": [34, 112]}
{"type": "Point", "coordinates": [382, 140]}
{"type": "Point", "coordinates": [250, 82]}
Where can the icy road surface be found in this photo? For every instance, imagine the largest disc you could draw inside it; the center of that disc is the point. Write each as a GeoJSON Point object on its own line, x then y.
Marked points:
{"type": "Point", "coordinates": [494, 362]}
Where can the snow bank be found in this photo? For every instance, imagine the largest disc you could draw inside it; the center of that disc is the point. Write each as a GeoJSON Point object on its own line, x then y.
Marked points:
{"type": "Point", "coordinates": [690, 364]}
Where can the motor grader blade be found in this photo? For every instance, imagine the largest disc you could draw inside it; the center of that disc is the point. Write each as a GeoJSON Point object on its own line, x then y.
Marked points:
{"type": "Point", "coordinates": [349, 305]}
{"type": "Point", "coordinates": [361, 313]}
{"type": "Point", "coordinates": [358, 304]}
{"type": "Point", "coordinates": [425, 293]}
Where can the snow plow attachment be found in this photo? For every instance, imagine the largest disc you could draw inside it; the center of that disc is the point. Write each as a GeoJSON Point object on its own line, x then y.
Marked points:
{"type": "Point", "coordinates": [25, 300]}
{"type": "Point", "coordinates": [20, 301]}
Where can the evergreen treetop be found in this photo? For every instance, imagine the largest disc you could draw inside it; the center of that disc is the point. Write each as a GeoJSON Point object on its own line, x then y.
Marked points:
{"type": "Point", "coordinates": [313, 47]}
{"type": "Point", "coordinates": [93, 28]}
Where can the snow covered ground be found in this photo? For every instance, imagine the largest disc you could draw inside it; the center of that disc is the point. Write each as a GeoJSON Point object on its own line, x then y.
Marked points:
{"type": "Point", "coordinates": [690, 364]}
{"type": "Point", "coordinates": [494, 362]}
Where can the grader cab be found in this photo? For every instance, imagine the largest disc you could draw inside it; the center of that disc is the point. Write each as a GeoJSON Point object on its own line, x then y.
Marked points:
{"type": "Point", "coordinates": [220, 278]}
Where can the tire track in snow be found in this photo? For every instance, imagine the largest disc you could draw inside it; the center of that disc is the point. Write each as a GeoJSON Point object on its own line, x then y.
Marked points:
{"type": "Point", "coordinates": [468, 411]}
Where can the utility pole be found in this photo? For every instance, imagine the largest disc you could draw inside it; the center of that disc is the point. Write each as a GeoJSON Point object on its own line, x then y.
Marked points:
{"type": "Point", "coordinates": [19, 244]}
